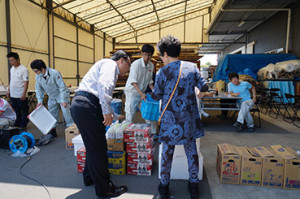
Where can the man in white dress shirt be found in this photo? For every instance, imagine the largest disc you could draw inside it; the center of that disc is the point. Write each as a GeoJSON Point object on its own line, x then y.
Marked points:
{"type": "Point", "coordinates": [91, 111]}
{"type": "Point", "coordinates": [17, 89]}
{"type": "Point", "coordinates": [140, 77]}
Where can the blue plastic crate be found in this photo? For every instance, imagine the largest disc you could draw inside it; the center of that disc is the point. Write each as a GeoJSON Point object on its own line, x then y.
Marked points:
{"type": "Point", "coordinates": [150, 109]}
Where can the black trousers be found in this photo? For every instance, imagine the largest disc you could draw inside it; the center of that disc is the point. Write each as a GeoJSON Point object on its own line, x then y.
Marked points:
{"type": "Point", "coordinates": [21, 109]}
{"type": "Point", "coordinates": [87, 115]}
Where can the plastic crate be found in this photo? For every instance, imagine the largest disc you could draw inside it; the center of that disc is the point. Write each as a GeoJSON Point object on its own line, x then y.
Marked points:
{"type": "Point", "coordinates": [150, 109]}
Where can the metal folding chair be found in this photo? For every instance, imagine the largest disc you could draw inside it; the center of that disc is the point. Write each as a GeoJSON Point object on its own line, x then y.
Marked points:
{"type": "Point", "coordinates": [256, 109]}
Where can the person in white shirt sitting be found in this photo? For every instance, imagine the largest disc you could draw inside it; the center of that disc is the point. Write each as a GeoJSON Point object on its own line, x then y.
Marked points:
{"type": "Point", "coordinates": [7, 114]}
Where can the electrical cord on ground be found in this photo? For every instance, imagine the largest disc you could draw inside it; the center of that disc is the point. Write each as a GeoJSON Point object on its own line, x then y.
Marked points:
{"type": "Point", "coordinates": [20, 170]}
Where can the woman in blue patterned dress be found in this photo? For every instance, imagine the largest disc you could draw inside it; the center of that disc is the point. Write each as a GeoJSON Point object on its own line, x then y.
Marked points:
{"type": "Point", "coordinates": [180, 124]}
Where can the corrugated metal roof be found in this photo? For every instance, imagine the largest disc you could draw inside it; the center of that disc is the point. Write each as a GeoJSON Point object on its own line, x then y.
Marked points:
{"type": "Point", "coordinates": [119, 17]}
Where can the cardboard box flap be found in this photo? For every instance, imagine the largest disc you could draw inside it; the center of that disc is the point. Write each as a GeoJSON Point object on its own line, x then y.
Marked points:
{"type": "Point", "coordinates": [228, 149]}
{"type": "Point", "coordinates": [284, 152]}
{"type": "Point", "coordinates": [253, 152]}
{"type": "Point", "coordinates": [244, 152]}
{"type": "Point", "coordinates": [264, 151]}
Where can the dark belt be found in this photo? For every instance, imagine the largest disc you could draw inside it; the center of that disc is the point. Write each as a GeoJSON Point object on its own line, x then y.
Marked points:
{"type": "Point", "coordinates": [88, 95]}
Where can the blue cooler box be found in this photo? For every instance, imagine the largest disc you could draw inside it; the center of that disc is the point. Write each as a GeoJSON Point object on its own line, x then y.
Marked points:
{"type": "Point", "coordinates": [150, 109]}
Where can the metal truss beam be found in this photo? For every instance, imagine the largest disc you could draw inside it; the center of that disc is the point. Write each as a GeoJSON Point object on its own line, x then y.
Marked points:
{"type": "Point", "coordinates": [164, 24]}
{"type": "Point", "coordinates": [120, 14]}
{"type": "Point", "coordinates": [144, 22]}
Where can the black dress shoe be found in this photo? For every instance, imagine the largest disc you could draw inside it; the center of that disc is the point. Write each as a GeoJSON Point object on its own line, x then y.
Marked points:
{"type": "Point", "coordinates": [115, 192]}
{"type": "Point", "coordinates": [53, 132]}
{"type": "Point", "coordinates": [88, 181]}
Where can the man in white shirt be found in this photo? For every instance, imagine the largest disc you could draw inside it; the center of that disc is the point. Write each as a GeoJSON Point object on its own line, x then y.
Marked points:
{"type": "Point", "coordinates": [91, 111]}
{"type": "Point", "coordinates": [140, 77]}
{"type": "Point", "coordinates": [17, 89]}
{"type": "Point", "coordinates": [7, 114]}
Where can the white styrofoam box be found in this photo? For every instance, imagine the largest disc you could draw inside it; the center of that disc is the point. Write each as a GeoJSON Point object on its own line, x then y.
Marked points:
{"type": "Point", "coordinates": [179, 168]}
{"type": "Point", "coordinates": [78, 143]}
{"type": "Point", "coordinates": [42, 119]}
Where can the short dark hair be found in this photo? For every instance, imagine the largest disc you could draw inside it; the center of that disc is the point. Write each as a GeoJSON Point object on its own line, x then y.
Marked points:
{"type": "Point", "coordinates": [170, 45]}
{"type": "Point", "coordinates": [13, 54]}
{"type": "Point", "coordinates": [232, 75]}
{"type": "Point", "coordinates": [118, 55]}
{"type": "Point", "coordinates": [38, 64]}
{"type": "Point", "coordinates": [147, 48]}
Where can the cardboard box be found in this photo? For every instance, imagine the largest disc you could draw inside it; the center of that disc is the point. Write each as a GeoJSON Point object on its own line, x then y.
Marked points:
{"type": "Point", "coordinates": [134, 147]}
{"type": "Point", "coordinates": [115, 144]}
{"type": "Point", "coordinates": [80, 167]}
{"type": "Point", "coordinates": [140, 157]}
{"type": "Point", "coordinates": [116, 160]}
{"type": "Point", "coordinates": [71, 132]}
{"type": "Point", "coordinates": [137, 132]}
{"type": "Point", "coordinates": [251, 165]}
{"type": "Point", "coordinates": [78, 143]}
{"type": "Point", "coordinates": [272, 167]}
{"type": "Point", "coordinates": [228, 163]}
{"type": "Point", "coordinates": [121, 171]}
{"type": "Point", "coordinates": [139, 169]}
{"type": "Point", "coordinates": [291, 166]}
{"type": "Point", "coordinates": [81, 155]}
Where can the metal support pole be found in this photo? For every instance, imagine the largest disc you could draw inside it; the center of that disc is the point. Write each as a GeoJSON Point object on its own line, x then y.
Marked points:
{"type": "Point", "coordinates": [8, 33]}
{"type": "Point", "coordinates": [77, 52]}
{"type": "Point", "coordinates": [104, 38]}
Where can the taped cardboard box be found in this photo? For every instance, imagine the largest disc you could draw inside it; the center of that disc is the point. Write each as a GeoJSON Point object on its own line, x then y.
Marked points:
{"type": "Point", "coordinates": [115, 144]}
{"type": "Point", "coordinates": [137, 132]}
{"type": "Point", "coordinates": [134, 147]}
{"type": "Point", "coordinates": [228, 163]}
{"type": "Point", "coordinates": [139, 169]}
{"type": "Point", "coordinates": [291, 166]}
{"type": "Point", "coordinates": [251, 166]}
{"type": "Point", "coordinates": [71, 132]}
{"type": "Point", "coordinates": [272, 167]}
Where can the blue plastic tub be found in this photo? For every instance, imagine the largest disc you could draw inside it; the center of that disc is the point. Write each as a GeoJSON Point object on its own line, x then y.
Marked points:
{"type": "Point", "coordinates": [116, 104]}
{"type": "Point", "coordinates": [150, 109]}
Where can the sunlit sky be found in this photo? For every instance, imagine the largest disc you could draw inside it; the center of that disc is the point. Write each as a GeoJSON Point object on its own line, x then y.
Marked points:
{"type": "Point", "coordinates": [212, 58]}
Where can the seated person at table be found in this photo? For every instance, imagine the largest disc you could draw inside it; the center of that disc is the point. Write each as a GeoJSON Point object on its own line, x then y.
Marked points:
{"type": "Point", "coordinates": [7, 114]}
{"type": "Point", "coordinates": [241, 89]}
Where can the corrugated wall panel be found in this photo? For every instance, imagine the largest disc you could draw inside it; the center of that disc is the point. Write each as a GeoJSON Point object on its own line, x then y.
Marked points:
{"type": "Point", "coordinates": [85, 38]}
{"type": "Point", "coordinates": [193, 30]}
{"type": "Point", "coordinates": [149, 38]}
{"type": "Point", "coordinates": [4, 66]}
{"type": "Point", "coordinates": [84, 68]}
{"type": "Point", "coordinates": [108, 48]}
{"type": "Point", "coordinates": [65, 50]}
{"type": "Point", "coordinates": [175, 30]}
{"type": "Point", "coordinates": [2, 23]}
{"type": "Point", "coordinates": [26, 17]}
{"type": "Point", "coordinates": [64, 29]}
{"type": "Point", "coordinates": [98, 48]}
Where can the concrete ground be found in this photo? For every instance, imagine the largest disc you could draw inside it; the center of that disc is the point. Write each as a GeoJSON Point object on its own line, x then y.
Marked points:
{"type": "Point", "coordinates": [55, 167]}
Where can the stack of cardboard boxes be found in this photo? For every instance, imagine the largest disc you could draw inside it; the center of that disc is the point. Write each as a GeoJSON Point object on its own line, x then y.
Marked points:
{"type": "Point", "coordinates": [275, 166]}
{"type": "Point", "coordinates": [116, 154]}
{"type": "Point", "coordinates": [139, 148]}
